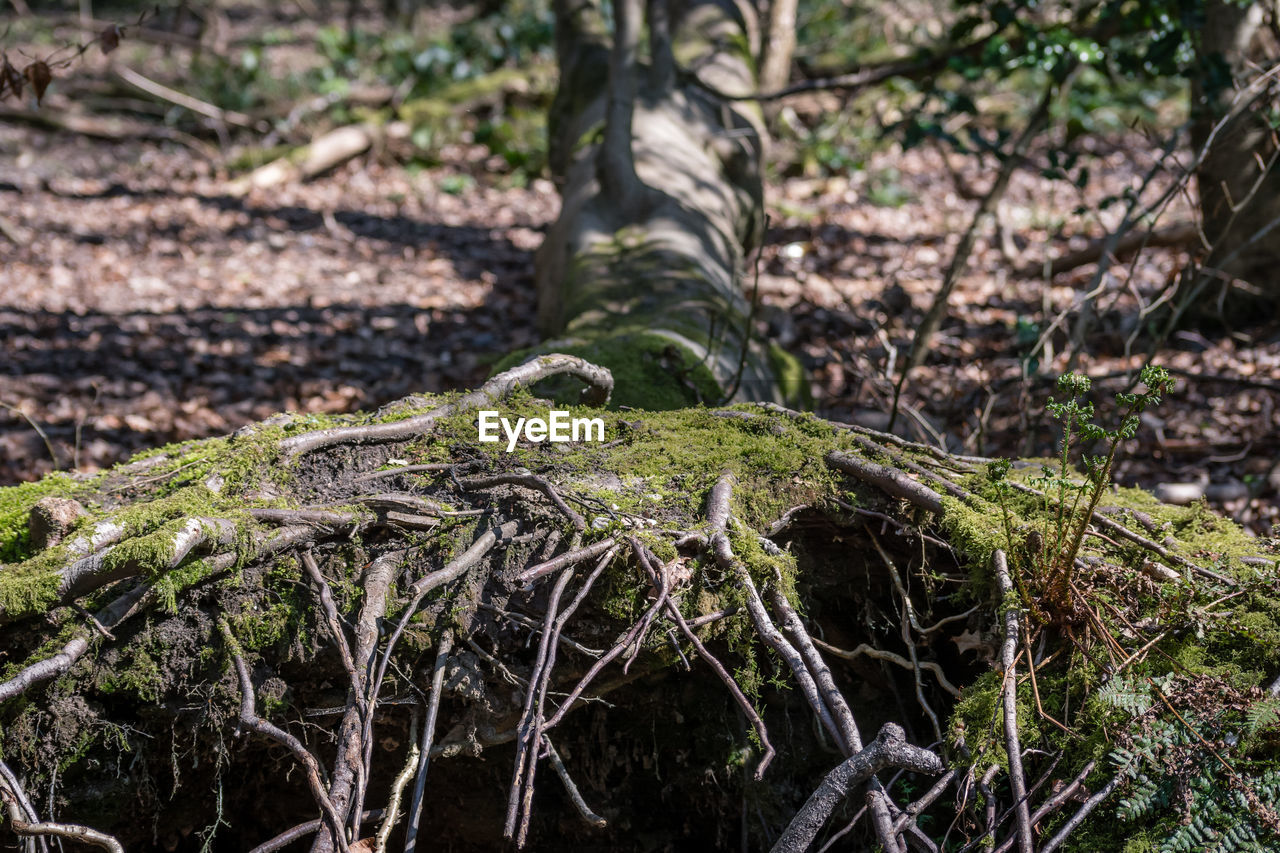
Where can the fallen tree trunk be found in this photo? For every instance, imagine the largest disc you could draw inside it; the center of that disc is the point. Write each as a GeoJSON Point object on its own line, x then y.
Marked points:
{"type": "Point", "coordinates": [305, 613]}
{"type": "Point", "coordinates": [643, 271]}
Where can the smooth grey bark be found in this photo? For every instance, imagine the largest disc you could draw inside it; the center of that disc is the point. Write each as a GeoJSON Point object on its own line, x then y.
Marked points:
{"type": "Point", "coordinates": [662, 196]}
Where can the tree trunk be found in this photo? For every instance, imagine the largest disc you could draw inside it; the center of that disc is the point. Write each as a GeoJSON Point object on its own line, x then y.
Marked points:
{"type": "Point", "coordinates": [1239, 177]}
{"type": "Point", "coordinates": [643, 271]}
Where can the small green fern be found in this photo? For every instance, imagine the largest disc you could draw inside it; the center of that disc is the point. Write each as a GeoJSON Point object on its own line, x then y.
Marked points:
{"type": "Point", "coordinates": [1171, 764]}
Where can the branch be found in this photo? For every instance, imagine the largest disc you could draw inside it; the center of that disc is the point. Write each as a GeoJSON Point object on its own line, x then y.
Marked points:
{"type": "Point", "coordinates": [887, 479]}
{"type": "Point", "coordinates": [250, 719]}
{"type": "Point", "coordinates": [889, 749]}
{"type": "Point", "coordinates": [1017, 781]}
{"type": "Point", "coordinates": [599, 387]}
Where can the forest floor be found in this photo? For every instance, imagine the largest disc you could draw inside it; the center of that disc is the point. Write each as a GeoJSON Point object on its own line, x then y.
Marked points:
{"type": "Point", "coordinates": [143, 302]}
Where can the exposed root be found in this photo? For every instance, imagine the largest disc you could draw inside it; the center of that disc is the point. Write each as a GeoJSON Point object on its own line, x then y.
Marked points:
{"type": "Point", "coordinates": [889, 749]}
{"type": "Point", "coordinates": [249, 719]}
{"type": "Point", "coordinates": [416, 584]}
{"type": "Point", "coordinates": [571, 789]}
{"type": "Point", "coordinates": [424, 751]}
{"type": "Point", "coordinates": [1009, 693]}
{"type": "Point", "coordinates": [599, 387]}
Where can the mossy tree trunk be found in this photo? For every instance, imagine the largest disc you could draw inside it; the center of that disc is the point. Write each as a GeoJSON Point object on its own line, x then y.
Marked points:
{"type": "Point", "coordinates": [661, 180]}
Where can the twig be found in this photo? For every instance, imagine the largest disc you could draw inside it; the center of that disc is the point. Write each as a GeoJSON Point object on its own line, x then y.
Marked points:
{"type": "Point", "coordinates": [889, 749]}
{"type": "Point", "coordinates": [571, 789]}
{"type": "Point", "coordinates": [250, 719]}
{"type": "Point", "coordinates": [302, 830]}
{"type": "Point", "coordinates": [353, 762]}
{"type": "Point", "coordinates": [1083, 812]}
{"type": "Point", "coordinates": [196, 105]}
{"type": "Point", "coordinates": [428, 735]}
{"type": "Point", "coordinates": [393, 803]}
{"type": "Point", "coordinates": [960, 259]}
{"type": "Point", "coordinates": [1053, 803]}
{"type": "Point", "coordinates": [915, 809]}
{"type": "Point", "coordinates": [48, 445]}
{"type": "Point", "coordinates": [599, 387]}
{"type": "Point", "coordinates": [1017, 781]}
{"type": "Point", "coordinates": [1136, 538]}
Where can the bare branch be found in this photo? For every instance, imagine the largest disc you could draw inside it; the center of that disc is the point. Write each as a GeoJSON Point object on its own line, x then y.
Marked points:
{"type": "Point", "coordinates": [889, 749]}
{"type": "Point", "coordinates": [428, 736]}
{"type": "Point", "coordinates": [1017, 781]}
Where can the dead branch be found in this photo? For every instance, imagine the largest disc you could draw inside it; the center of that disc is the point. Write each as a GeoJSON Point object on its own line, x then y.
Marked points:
{"type": "Point", "coordinates": [1081, 813]}
{"type": "Point", "coordinates": [889, 749]}
{"type": "Point", "coordinates": [599, 386]}
{"type": "Point", "coordinates": [195, 105]}
{"type": "Point", "coordinates": [571, 789]}
{"type": "Point", "coordinates": [1053, 803]}
{"type": "Point", "coordinates": [960, 259]}
{"type": "Point", "coordinates": [249, 719]}
{"type": "Point", "coordinates": [428, 736]}
{"type": "Point", "coordinates": [1177, 235]}
{"type": "Point", "coordinates": [1017, 781]}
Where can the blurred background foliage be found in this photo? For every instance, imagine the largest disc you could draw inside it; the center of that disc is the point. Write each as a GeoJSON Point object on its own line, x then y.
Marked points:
{"type": "Point", "coordinates": [484, 74]}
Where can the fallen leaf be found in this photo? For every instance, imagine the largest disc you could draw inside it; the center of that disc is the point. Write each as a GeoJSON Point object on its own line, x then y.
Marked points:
{"type": "Point", "coordinates": [39, 76]}
{"type": "Point", "coordinates": [109, 39]}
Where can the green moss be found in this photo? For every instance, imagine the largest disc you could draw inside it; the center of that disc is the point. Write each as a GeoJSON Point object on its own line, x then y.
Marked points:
{"type": "Point", "coordinates": [261, 628]}
{"type": "Point", "coordinates": [16, 503]}
{"type": "Point", "coordinates": [139, 673]}
{"type": "Point", "coordinates": [792, 377]}
{"type": "Point", "coordinates": [650, 371]}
